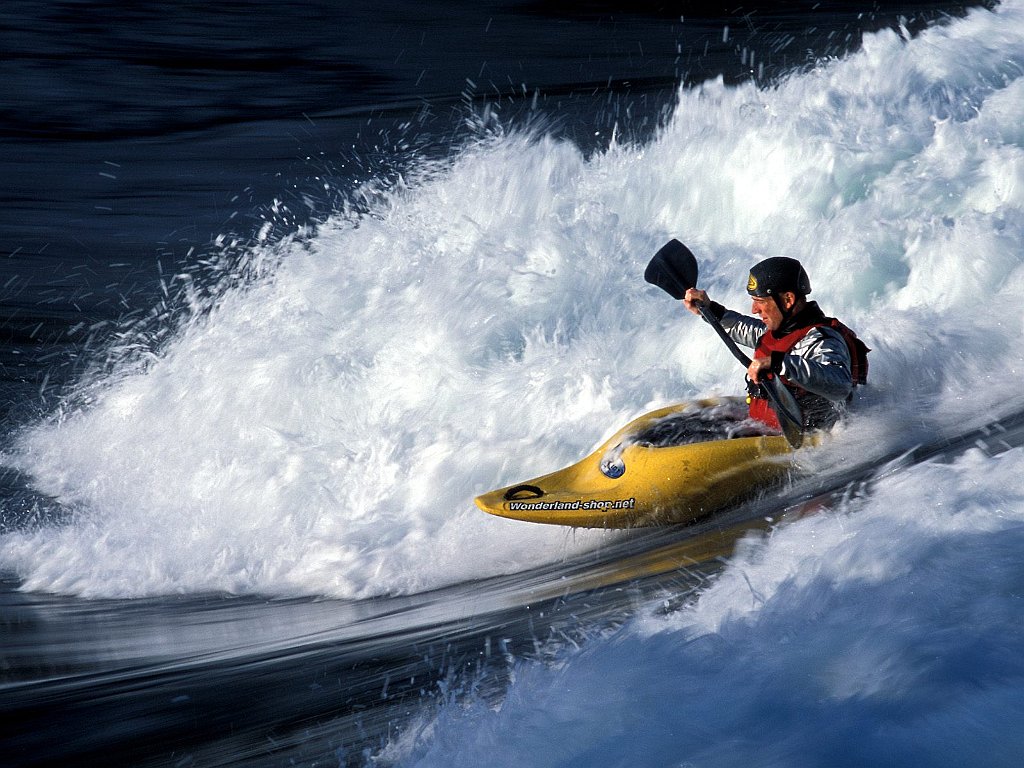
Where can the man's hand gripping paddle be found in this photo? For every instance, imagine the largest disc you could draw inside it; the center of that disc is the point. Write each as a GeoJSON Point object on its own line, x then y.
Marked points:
{"type": "Point", "coordinates": [674, 270]}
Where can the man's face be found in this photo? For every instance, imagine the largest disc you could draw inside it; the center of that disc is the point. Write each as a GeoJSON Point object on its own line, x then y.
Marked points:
{"type": "Point", "coordinates": [769, 312]}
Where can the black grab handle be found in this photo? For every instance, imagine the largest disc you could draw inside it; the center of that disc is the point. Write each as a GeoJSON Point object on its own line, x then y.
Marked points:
{"type": "Point", "coordinates": [512, 494]}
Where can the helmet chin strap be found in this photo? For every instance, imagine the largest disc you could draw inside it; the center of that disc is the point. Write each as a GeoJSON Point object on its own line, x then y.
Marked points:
{"type": "Point", "coordinates": [785, 312]}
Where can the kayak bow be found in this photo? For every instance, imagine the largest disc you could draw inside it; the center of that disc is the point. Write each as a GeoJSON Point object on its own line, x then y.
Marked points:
{"type": "Point", "coordinates": [673, 465]}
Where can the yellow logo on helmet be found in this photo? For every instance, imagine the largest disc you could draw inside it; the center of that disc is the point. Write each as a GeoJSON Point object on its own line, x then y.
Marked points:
{"type": "Point", "coordinates": [751, 283]}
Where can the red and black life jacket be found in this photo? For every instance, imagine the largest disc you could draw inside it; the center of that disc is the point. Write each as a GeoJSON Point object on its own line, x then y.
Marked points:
{"type": "Point", "coordinates": [819, 412]}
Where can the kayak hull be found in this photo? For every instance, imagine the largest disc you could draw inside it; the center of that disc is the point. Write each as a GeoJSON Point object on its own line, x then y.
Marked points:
{"type": "Point", "coordinates": [656, 483]}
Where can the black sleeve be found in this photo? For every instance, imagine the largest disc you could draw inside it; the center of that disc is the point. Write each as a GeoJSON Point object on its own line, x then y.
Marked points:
{"type": "Point", "coordinates": [717, 310]}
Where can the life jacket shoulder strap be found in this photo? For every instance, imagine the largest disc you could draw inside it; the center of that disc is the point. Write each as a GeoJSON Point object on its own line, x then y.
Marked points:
{"type": "Point", "coordinates": [858, 350]}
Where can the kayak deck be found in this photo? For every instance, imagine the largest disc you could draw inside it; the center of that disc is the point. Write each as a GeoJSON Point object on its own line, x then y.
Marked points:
{"type": "Point", "coordinates": [673, 465]}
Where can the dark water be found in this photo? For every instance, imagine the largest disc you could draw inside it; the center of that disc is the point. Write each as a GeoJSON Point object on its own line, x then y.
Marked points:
{"type": "Point", "coordinates": [138, 142]}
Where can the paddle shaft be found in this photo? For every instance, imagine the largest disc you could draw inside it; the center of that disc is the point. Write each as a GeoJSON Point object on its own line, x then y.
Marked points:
{"type": "Point", "coordinates": [711, 320]}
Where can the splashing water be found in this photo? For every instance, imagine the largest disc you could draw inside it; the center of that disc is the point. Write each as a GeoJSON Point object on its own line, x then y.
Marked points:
{"type": "Point", "coordinates": [324, 429]}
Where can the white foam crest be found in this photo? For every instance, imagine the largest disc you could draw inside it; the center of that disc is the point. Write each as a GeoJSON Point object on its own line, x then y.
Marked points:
{"type": "Point", "coordinates": [324, 430]}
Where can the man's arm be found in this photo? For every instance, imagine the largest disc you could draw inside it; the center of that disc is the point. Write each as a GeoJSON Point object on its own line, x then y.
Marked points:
{"type": "Point", "coordinates": [820, 363]}
{"type": "Point", "coordinates": [742, 329]}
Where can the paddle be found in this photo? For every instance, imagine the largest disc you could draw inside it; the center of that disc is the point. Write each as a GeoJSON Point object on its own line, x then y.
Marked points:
{"type": "Point", "coordinates": [674, 270]}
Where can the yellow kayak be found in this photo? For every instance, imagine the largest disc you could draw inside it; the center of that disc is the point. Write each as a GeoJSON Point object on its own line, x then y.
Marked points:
{"type": "Point", "coordinates": [673, 465]}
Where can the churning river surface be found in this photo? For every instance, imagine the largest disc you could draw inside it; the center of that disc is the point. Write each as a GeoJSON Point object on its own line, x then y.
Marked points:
{"type": "Point", "coordinates": [284, 286]}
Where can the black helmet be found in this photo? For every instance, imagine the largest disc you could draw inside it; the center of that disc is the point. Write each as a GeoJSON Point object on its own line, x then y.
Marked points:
{"type": "Point", "coordinates": [777, 275]}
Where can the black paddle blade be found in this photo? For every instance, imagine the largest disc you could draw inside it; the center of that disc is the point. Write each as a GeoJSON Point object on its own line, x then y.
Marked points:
{"type": "Point", "coordinates": [673, 269]}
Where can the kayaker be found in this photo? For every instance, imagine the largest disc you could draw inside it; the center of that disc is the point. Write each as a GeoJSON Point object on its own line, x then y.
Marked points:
{"type": "Point", "coordinates": [818, 358]}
